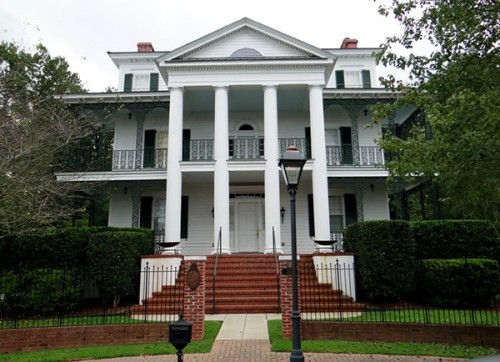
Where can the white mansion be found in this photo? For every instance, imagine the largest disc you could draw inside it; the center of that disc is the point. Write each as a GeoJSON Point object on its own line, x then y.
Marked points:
{"type": "Point", "coordinates": [192, 143]}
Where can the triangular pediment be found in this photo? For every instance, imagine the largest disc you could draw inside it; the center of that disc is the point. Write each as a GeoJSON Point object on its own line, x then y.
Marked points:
{"type": "Point", "coordinates": [245, 39]}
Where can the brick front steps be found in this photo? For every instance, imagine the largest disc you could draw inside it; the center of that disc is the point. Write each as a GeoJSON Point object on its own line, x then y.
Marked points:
{"type": "Point", "coordinates": [248, 283]}
{"type": "Point", "coordinates": [244, 283]}
{"type": "Point", "coordinates": [320, 299]}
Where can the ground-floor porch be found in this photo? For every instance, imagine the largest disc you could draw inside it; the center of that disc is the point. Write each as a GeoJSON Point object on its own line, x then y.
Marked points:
{"type": "Point", "coordinates": [250, 229]}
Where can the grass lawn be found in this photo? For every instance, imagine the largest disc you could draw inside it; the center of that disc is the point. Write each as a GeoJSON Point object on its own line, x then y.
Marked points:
{"type": "Point", "coordinates": [71, 354]}
{"type": "Point", "coordinates": [391, 348]}
{"type": "Point", "coordinates": [278, 345]}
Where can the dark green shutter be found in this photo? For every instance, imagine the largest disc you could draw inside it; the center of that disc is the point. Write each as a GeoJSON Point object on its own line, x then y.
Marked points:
{"type": "Point", "coordinates": [365, 74]}
{"type": "Point", "coordinates": [127, 86]}
{"type": "Point", "coordinates": [310, 208]}
{"type": "Point", "coordinates": [346, 145]}
{"type": "Point", "coordinates": [339, 75]}
{"type": "Point", "coordinates": [146, 212]}
{"type": "Point", "coordinates": [184, 217]}
{"type": "Point", "coordinates": [351, 213]}
{"type": "Point", "coordinates": [186, 144]}
{"type": "Point", "coordinates": [153, 82]}
{"type": "Point", "coordinates": [149, 148]}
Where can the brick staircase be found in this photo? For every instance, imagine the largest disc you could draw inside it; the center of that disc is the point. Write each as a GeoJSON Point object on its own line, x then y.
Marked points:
{"type": "Point", "coordinates": [244, 283]}
{"type": "Point", "coordinates": [321, 298]}
{"type": "Point", "coordinates": [247, 283]}
{"type": "Point", "coordinates": [169, 300]}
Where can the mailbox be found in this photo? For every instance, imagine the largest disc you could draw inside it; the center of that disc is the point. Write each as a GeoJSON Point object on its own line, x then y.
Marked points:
{"type": "Point", "coordinates": [179, 333]}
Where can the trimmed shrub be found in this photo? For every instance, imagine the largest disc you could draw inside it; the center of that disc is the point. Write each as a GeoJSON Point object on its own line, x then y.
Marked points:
{"type": "Point", "coordinates": [114, 259]}
{"type": "Point", "coordinates": [385, 262]}
{"type": "Point", "coordinates": [55, 247]}
{"type": "Point", "coordinates": [458, 282]}
{"type": "Point", "coordinates": [40, 291]}
{"type": "Point", "coordinates": [449, 239]}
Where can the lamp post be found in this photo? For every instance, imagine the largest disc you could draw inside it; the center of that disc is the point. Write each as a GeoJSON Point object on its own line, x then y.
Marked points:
{"type": "Point", "coordinates": [291, 165]}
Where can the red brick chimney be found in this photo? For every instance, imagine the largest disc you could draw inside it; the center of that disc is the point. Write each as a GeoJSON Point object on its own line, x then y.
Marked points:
{"type": "Point", "coordinates": [349, 43]}
{"type": "Point", "coordinates": [145, 47]}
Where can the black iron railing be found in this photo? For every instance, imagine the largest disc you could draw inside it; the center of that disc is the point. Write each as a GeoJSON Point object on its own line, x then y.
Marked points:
{"type": "Point", "coordinates": [363, 156]}
{"type": "Point", "coordinates": [55, 297]}
{"type": "Point", "coordinates": [329, 292]}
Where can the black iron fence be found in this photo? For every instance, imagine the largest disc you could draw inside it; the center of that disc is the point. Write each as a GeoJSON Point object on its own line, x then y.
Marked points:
{"type": "Point", "coordinates": [329, 293]}
{"type": "Point", "coordinates": [57, 297]}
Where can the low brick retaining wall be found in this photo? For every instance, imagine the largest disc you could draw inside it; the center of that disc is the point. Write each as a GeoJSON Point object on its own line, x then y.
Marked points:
{"type": "Point", "coordinates": [401, 332]}
{"type": "Point", "coordinates": [32, 339]}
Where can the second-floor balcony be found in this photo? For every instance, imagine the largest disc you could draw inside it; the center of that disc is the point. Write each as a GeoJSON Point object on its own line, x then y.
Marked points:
{"type": "Point", "coordinates": [203, 150]}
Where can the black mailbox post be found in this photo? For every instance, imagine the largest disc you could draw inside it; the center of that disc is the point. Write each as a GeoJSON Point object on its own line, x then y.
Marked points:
{"type": "Point", "coordinates": [179, 334]}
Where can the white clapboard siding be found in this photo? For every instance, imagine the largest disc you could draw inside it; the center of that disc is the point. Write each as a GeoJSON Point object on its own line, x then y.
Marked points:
{"type": "Point", "coordinates": [120, 209]}
{"type": "Point", "coordinates": [375, 203]}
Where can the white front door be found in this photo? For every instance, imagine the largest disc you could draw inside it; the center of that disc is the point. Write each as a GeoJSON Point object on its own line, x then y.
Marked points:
{"type": "Point", "coordinates": [248, 225]}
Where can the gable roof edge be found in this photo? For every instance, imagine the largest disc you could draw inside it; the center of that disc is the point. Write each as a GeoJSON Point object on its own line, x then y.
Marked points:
{"type": "Point", "coordinates": [238, 25]}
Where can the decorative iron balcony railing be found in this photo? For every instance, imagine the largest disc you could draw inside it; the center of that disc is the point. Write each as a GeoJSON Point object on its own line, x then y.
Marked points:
{"type": "Point", "coordinates": [246, 148]}
{"type": "Point", "coordinates": [203, 150]}
{"type": "Point", "coordinates": [349, 156]}
{"type": "Point", "coordinates": [151, 158]}
{"type": "Point", "coordinates": [198, 150]}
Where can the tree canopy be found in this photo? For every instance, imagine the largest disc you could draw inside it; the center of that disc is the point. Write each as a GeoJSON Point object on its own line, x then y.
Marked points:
{"type": "Point", "coordinates": [456, 86]}
{"type": "Point", "coordinates": [35, 126]}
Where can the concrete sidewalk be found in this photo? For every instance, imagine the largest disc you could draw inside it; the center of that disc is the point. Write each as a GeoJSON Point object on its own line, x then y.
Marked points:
{"type": "Point", "coordinates": [245, 338]}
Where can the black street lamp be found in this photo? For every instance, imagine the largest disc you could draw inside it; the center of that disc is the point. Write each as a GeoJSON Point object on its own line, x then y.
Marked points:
{"type": "Point", "coordinates": [291, 165]}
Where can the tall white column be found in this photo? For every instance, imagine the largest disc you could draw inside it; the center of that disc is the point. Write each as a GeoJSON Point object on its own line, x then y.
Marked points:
{"type": "Point", "coordinates": [319, 172]}
{"type": "Point", "coordinates": [174, 175]}
{"type": "Point", "coordinates": [272, 181]}
{"type": "Point", "coordinates": [221, 175]}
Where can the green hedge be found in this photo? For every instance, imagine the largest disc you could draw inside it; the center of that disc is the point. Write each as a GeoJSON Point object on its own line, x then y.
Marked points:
{"type": "Point", "coordinates": [385, 262]}
{"type": "Point", "coordinates": [40, 291]}
{"type": "Point", "coordinates": [458, 282]}
{"type": "Point", "coordinates": [449, 239]}
{"type": "Point", "coordinates": [114, 259]}
{"type": "Point", "coordinates": [53, 247]}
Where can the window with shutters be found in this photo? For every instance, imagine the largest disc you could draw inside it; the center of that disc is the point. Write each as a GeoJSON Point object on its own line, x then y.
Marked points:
{"type": "Point", "coordinates": [336, 214]}
{"type": "Point", "coordinates": [141, 82]}
{"type": "Point", "coordinates": [353, 79]}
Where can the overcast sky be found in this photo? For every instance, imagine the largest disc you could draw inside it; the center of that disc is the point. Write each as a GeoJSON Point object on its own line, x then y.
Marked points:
{"type": "Point", "coordinates": [83, 31]}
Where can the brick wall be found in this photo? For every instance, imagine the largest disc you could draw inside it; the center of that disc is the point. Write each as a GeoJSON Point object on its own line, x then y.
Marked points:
{"type": "Point", "coordinates": [32, 339]}
{"type": "Point", "coordinates": [400, 332]}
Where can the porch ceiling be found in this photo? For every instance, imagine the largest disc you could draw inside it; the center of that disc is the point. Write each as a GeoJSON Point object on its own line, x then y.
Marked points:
{"type": "Point", "coordinates": [246, 99]}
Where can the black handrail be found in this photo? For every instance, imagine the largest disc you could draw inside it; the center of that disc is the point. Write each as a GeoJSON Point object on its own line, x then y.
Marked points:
{"type": "Point", "coordinates": [219, 251]}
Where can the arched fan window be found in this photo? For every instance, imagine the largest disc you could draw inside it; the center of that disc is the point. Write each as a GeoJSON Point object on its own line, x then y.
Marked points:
{"type": "Point", "coordinates": [246, 127]}
{"type": "Point", "coordinates": [246, 53]}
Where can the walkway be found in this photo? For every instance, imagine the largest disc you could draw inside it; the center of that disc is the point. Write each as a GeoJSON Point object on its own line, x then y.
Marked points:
{"type": "Point", "coordinates": [244, 338]}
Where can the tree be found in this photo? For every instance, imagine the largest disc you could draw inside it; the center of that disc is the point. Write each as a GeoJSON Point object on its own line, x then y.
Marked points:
{"type": "Point", "coordinates": [456, 86]}
{"type": "Point", "coordinates": [35, 126]}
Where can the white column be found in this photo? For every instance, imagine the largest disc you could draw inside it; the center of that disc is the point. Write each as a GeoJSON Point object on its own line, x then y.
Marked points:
{"type": "Point", "coordinates": [221, 175]}
{"type": "Point", "coordinates": [319, 172]}
{"type": "Point", "coordinates": [272, 181]}
{"type": "Point", "coordinates": [174, 175]}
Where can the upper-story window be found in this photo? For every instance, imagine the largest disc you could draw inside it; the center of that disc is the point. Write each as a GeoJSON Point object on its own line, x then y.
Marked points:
{"type": "Point", "coordinates": [353, 79]}
{"type": "Point", "coordinates": [141, 82]}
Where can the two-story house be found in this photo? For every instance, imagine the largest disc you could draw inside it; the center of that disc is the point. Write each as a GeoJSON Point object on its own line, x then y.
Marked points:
{"type": "Point", "coordinates": [194, 136]}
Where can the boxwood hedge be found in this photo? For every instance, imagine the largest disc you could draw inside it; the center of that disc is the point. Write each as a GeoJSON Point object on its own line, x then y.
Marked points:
{"type": "Point", "coordinates": [385, 261]}
{"type": "Point", "coordinates": [448, 239]}
{"type": "Point", "coordinates": [457, 282]}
